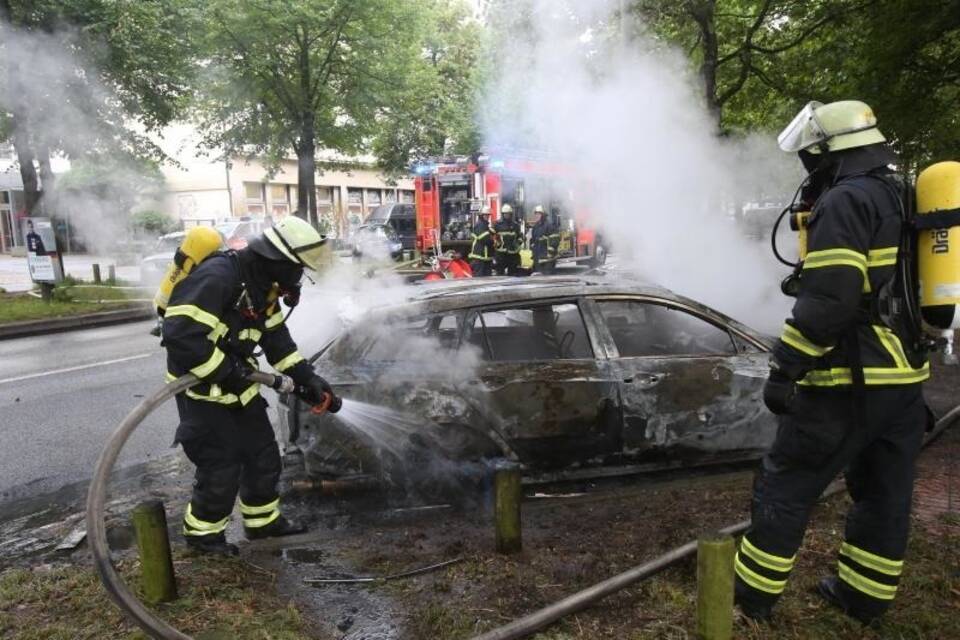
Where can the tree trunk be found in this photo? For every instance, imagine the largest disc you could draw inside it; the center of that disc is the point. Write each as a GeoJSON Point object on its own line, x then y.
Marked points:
{"type": "Point", "coordinates": [306, 172]}
{"type": "Point", "coordinates": [28, 173]}
{"type": "Point", "coordinates": [703, 14]}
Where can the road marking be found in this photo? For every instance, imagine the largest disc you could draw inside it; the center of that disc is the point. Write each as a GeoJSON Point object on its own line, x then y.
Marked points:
{"type": "Point", "coordinates": [77, 368]}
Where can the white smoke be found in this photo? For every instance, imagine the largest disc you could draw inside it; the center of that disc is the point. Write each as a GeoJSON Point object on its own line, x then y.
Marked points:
{"type": "Point", "coordinates": [630, 117]}
{"type": "Point", "coordinates": [50, 89]}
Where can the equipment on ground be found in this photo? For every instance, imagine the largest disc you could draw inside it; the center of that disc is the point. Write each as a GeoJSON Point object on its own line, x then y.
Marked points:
{"type": "Point", "coordinates": [199, 244]}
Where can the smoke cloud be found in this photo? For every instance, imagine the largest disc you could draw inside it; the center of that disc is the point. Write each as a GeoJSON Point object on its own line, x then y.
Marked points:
{"type": "Point", "coordinates": [53, 96]}
{"type": "Point", "coordinates": [630, 117]}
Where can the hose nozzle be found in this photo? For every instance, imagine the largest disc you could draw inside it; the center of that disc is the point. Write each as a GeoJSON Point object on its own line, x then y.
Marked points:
{"type": "Point", "coordinates": [329, 403]}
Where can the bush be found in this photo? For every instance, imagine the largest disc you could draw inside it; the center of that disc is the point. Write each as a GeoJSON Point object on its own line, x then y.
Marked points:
{"type": "Point", "coordinates": [152, 223]}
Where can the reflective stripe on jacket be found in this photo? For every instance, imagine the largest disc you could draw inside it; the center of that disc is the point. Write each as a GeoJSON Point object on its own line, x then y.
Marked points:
{"type": "Point", "coordinates": [206, 335]}
{"type": "Point", "coordinates": [508, 233]}
{"type": "Point", "coordinates": [854, 234]}
{"type": "Point", "coordinates": [482, 247]}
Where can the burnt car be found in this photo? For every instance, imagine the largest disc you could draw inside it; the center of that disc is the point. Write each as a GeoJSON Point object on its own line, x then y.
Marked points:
{"type": "Point", "coordinates": [557, 373]}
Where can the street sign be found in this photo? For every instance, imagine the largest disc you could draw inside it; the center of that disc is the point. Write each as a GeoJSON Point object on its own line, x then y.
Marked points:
{"type": "Point", "coordinates": [42, 257]}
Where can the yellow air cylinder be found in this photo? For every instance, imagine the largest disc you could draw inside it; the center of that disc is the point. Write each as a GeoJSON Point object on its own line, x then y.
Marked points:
{"type": "Point", "coordinates": [197, 245]}
{"type": "Point", "coordinates": [938, 249]}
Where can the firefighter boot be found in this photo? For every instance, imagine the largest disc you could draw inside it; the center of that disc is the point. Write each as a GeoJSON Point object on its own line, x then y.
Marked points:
{"type": "Point", "coordinates": [215, 544]}
{"type": "Point", "coordinates": [750, 605]}
{"type": "Point", "coordinates": [829, 589]}
{"type": "Point", "coordinates": [279, 527]}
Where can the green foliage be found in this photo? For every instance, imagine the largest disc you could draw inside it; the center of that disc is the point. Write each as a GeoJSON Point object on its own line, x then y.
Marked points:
{"type": "Point", "coordinates": [152, 223]}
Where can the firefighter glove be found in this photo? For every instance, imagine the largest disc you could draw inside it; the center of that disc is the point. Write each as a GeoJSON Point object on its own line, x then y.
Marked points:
{"type": "Point", "coordinates": [779, 393]}
{"type": "Point", "coordinates": [236, 379]}
{"type": "Point", "coordinates": [291, 296]}
{"type": "Point", "coordinates": [314, 390]}
{"type": "Point", "coordinates": [283, 384]}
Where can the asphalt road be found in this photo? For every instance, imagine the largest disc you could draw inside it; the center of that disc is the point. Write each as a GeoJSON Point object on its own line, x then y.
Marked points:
{"type": "Point", "coordinates": [61, 395]}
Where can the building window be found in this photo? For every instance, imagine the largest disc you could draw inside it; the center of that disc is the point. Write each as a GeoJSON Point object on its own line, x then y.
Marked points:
{"type": "Point", "coordinates": [390, 196]}
{"type": "Point", "coordinates": [355, 197]}
{"type": "Point", "coordinates": [406, 196]}
{"type": "Point", "coordinates": [279, 201]}
{"type": "Point", "coordinates": [253, 191]}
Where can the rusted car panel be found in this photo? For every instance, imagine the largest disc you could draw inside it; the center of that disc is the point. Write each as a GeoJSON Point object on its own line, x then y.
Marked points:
{"type": "Point", "coordinates": [555, 372]}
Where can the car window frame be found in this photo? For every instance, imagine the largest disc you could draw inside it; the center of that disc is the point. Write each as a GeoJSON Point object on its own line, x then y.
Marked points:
{"type": "Point", "coordinates": [610, 346]}
{"type": "Point", "coordinates": [470, 314]}
{"type": "Point", "coordinates": [460, 314]}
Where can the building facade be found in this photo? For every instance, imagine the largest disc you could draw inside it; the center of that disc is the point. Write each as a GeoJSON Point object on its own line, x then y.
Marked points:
{"type": "Point", "coordinates": [205, 192]}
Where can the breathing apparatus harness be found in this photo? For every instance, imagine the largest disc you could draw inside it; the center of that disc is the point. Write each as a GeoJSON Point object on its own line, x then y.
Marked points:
{"type": "Point", "coordinates": [896, 303]}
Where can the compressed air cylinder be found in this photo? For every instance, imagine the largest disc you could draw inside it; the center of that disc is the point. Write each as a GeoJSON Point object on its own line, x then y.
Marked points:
{"type": "Point", "coordinates": [938, 249]}
{"type": "Point", "coordinates": [198, 243]}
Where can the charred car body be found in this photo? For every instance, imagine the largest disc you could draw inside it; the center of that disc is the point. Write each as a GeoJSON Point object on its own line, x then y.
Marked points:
{"type": "Point", "coordinates": [571, 373]}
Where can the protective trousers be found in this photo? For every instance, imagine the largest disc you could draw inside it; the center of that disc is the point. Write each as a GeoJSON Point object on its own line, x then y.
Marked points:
{"type": "Point", "coordinates": [507, 263]}
{"type": "Point", "coordinates": [481, 268]}
{"type": "Point", "coordinates": [824, 435]}
{"type": "Point", "coordinates": [234, 451]}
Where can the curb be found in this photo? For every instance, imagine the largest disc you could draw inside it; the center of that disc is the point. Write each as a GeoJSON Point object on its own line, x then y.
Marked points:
{"type": "Point", "coordinates": [71, 323]}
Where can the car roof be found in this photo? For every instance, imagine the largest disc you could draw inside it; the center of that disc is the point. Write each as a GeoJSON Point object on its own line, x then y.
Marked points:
{"type": "Point", "coordinates": [466, 293]}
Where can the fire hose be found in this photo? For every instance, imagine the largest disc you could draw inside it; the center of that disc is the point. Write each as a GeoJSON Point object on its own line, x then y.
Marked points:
{"type": "Point", "coordinates": [119, 592]}
{"type": "Point", "coordinates": [533, 622]}
{"type": "Point", "coordinates": [128, 602]}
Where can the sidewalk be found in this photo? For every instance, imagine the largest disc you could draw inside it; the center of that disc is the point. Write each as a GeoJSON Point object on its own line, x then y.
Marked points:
{"type": "Point", "coordinates": [14, 275]}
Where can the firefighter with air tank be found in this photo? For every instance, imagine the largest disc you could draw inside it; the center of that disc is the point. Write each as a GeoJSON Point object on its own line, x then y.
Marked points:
{"type": "Point", "coordinates": [508, 239]}
{"type": "Point", "coordinates": [544, 241]}
{"type": "Point", "coordinates": [845, 374]}
{"type": "Point", "coordinates": [482, 247]}
{"type": "Point", "coordinates": [214, 319]}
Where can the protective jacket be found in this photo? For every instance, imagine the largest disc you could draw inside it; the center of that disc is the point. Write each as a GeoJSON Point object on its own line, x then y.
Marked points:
{"type": "Point", "coordinates": [215, 322]}
{"type": "Point", "coordinates": [508, 232]}
{"type": "Point", "coordinates": [854, 234]}
{"type": "Point", "coordinates": [544, 240]}
{"type": "Point", "coordinates": [482, 247]}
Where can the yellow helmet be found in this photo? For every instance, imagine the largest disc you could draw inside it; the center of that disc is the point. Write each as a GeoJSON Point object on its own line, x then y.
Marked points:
{"type": "Point", "coordinates": [292, 239]}
{"type": "Point", "coordinates": [538, 209]}
{"type": "Point", "coordinates": [846, 124]}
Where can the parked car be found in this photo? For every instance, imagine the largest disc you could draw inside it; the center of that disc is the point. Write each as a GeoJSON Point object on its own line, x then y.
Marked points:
{"type": "Point", "coordinates": [153, 266]}
{"type": "Point", "coordinates": [403, 219]}
{"type": "Point", "coordinates": [377, 242]}
{"type": "Point", "coordinates": [555, 372]}
{"type": "Point", "coordinates": [237, 231]}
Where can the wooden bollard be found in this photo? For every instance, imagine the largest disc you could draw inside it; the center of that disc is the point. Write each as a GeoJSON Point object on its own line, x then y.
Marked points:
{"type": "Point", "coordinates": [715, 587]}
{"type": "Point", "coordinates": [111, 273]}
{"type": "Point", "coordinates": [156, 565]}
{"type": "Point", "coordinates": [507, 494]}
{"type": "Point", "coordinates": [96, 273]}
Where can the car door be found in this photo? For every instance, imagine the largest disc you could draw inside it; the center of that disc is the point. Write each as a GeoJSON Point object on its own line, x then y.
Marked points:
{"type": "Point", "coordinates": [539, 383]}
{"type": "Point", "coordinates": [690, 386]}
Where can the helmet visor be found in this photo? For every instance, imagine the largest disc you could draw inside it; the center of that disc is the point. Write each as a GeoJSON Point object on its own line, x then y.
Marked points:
{"type": "Point", "coordinates": [803, 131]}
{"type": "Point", "coordinates": [314, 255]}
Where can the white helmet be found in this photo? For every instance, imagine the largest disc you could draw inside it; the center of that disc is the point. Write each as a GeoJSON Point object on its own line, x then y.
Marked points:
{"type": "Point", "coordinates": [292, 239]}
{"type": "Point", "coordinates": [506, 209]}
{"type": "Point", "coordinates": [836, 126]}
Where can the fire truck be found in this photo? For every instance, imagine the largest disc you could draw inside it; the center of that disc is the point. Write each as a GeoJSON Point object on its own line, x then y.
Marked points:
{"type": "Point", "coordinates": [450, 192]}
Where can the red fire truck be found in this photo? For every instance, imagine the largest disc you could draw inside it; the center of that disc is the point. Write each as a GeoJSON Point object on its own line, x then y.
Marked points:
{"type": "Point", "coordinates": [450, 192]}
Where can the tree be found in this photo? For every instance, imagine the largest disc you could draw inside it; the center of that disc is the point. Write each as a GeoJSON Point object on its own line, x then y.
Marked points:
{"type": "Point", "coordinates": [87, 77]}
{"type": "Point", "coordinates": [285, 76]}
{"type": "Point", "coordinates": [739, 45]}
{"type": "Point", "coordinates": [436, 113]}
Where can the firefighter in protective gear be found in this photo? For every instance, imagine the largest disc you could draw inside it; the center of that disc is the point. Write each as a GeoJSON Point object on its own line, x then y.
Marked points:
{"type": "Point", "coordinates": [544, 240]}
{"type": "Point", "coordinates": [225, 309]}
{"type": "Point", "coordinates": [481, 251]}
{"type": "Point", "coordinates": [508, 242]}
{"type": "Point", "coordinates": [845, 387]}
